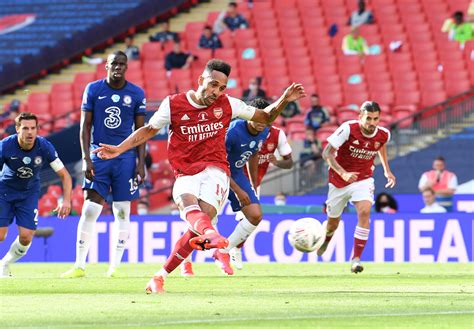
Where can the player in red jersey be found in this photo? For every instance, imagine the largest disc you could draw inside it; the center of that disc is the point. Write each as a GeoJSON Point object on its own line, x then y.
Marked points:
{"type": "Point", "coordinates": [350, 154]}
{"type": "Point", "coordinates": [258, 167]}
{"type": "Point", "coordinates": [198, 122]}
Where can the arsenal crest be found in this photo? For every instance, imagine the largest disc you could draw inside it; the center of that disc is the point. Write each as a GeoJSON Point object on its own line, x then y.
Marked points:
{"type": "Point", "coordinates": [270, 146]}
{"type": "Point", "coordinates": [218, 112]}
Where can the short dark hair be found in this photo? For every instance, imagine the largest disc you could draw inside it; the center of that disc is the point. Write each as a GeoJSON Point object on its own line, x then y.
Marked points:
{"type": "Point", "coordinates": [120, 53]}
{"type": "Point", "coordinates": [218, 65]}
{"type": "Point", "coordinates": [25, 116]}
{"type": "Point", "coordinates": [440, 158]}
{"type": "Point", "coordinates": [259, 103]}
{"type": "Point", "coordinates": [315, 95]}
{"type": "Point", "coordinates": [370, 106]}
{"type": "Point", "coordinates": [233, 4]}
{"type": "Point", "coordinates": [207, 27]}
{"type": "Point", "coordinates": [459, 14]}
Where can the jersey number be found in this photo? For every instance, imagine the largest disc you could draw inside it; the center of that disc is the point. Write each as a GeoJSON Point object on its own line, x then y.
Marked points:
{"type": "Point", "coordinates": [113, 120]}
{"type": "Point", "coordinates": [133, 185]}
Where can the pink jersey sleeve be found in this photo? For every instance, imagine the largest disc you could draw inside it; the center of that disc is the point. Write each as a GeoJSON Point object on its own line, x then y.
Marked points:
{"type": "Point", "coordinates": [340, 136]}
{"type": "Point", "coordinates": [161, 117]}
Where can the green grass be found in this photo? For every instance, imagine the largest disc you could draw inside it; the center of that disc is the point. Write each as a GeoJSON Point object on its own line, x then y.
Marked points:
{"type": "Point", "coordinates": [261, 296]}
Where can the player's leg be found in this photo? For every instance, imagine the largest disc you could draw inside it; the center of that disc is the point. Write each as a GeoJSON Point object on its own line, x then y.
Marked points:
{"type": "Point", "coordinates": [181, 251]}
{"type": "Point", "coordinates": [26, 214]}
{"type": "Point", "coordinates": [335, 204]}
{"type": "Point", "coordinates": [362, 196]}
{"type": "Point", "coordinates": [124, 189]}
{"type": "Point", "coordinates": [6, 218]}
{"type": "Point", "coordinates": [95, 193]}
{"type": "Point", "coordinates": [4, 268]}
{"type": "Point", "coordinates": [187, 266]}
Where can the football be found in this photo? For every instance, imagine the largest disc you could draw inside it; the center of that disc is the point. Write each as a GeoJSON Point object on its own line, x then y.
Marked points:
{"type": "Point", "coordinates": [306, 234]}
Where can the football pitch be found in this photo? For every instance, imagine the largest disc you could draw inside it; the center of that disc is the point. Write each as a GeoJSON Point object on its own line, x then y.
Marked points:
{"type": "Point", "coordinates": [317, 295]}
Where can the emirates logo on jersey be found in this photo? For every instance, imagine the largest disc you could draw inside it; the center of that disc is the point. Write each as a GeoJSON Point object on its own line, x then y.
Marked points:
{"type": "Point", "coordinates": [218, 112]}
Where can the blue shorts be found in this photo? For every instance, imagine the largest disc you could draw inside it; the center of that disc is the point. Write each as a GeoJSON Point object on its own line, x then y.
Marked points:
{"type": "Point", "coordinates": [245, 185]}
{"type": "Point", "coordinates": [22, 205]}
{"type": "Point", "coordinates": [116, 174]}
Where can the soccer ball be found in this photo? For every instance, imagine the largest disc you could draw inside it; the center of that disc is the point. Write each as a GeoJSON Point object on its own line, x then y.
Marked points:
{"type": "Point", "coordinates": [306, 234]}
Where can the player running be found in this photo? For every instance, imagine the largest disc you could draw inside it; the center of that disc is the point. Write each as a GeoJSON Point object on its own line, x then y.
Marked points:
{"type": "Point", "coordinates": [111, 109]}
{"type": "Point", "coordinates": [196, 149]}
{"type": "Point", "coordinates": [243, 141]}
{"type": "Point", "coordinates": [275, 142]}
{"type": "Point", "coordinates": [21, 158]}
{"type": "Point", "coordinates": [350, 155]}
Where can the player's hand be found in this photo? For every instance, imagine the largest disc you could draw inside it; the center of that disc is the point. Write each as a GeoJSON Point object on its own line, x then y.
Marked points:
{"type": "Point", "coordinates": [243, 197]}
{"type": "Point", "coordinates": [350, 177]}
{"type": "Point", "coordinates": [106, 151]}
{"type": "Point", "coordinates": [272, 159]}
{"type": "Point", "coordinates": [88, 168]}
{"type": "Point", "coordinates": [294, 92]}
{"type": "Point", "coordinates": [63, 209]}
{"type": "Point", "coordinates": [391, 180]}
{"type": "Point", "coordinates": [141, 173]}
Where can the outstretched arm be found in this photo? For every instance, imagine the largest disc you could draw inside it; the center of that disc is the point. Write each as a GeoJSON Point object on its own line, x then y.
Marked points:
{"type": "Point", "coordinates": [271, 112]}
{"type": "Point", "coordinates": [391, 180]}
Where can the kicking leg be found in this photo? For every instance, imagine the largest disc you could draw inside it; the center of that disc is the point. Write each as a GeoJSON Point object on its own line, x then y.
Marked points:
{"type": "Point", "coordinates": [361, 234]}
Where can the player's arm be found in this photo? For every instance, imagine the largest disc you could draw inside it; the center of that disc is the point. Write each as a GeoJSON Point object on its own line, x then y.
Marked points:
{"type": "Point", "coordinates": [243, 197]}
{"type": "Point", "coordinates": [329, 155]}
{"type": "Point", "coordinates": [285, 163]}
{"type": "Point", "coordinates": [85, 133]}
{"type": "Point", "coordinates": [391, 180]}
{"type": "Point", "coordinates": [253, 169]}
{"type": "Point", "coordinates": [140, 122]}
{"type": "Point", "coordinates": [294, 92]}
{"type": "Point", "coordinates": [284, 149]}
{"type": "Point", "coordinates": [63, 209]}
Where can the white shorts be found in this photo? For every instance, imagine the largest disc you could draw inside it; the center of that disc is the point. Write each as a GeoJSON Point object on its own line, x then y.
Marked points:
{"type": "Point", "coordinates": [210, 185]}
{"type": "Point", "coordinates": [357, 191]}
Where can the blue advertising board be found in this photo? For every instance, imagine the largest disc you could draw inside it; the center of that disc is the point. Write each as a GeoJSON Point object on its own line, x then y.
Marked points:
{"type": "Point", "coordinates": [393, 238]}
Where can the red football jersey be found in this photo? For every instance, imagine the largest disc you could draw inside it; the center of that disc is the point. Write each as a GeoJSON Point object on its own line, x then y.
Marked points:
{"type": "Point", "coordinates": [197, 133]}
{"type": "Point", "coordinates": [276, 140]}
{"type": "Point", "coordinates": [355, 151]}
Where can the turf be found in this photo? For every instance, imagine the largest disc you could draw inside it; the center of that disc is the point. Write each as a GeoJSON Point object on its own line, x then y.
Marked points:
{"type": "Point", "coordinates": [260, 296]}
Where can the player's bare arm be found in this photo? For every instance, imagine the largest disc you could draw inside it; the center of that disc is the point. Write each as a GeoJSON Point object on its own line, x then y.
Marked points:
{"type": "Point", "coordinates": [285, 163]}
{"type": "Point", "coordinates": [138, 137]}
{"type": "Point", "coordinates": [243, 197]}
{"type": "Point", "coordinates": [85, 133]}
{"type": "Point", "coordinates": [140, 122]}
{"type": "Point", "coordinates": [294, 92]}
{"type": "Point", "coordinates": [391, 180]}
{"type": "Point", "coordinates": [329, 155]}
{"type": "Point", "coordinates": [64, 208]}
{"type": "Point", "coordinates": [253, 169]}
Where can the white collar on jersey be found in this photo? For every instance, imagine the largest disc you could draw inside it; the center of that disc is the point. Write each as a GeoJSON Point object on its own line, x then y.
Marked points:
{"type": "Point", "coordinates": [192, 102]}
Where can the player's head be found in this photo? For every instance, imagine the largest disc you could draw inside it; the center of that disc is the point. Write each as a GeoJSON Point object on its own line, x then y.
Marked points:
{"type": "Point", "coordinates": [26, 125]}
{"type": "Point", "coordinates": [428, 196]}
{"type": "Point", "coordinates": [116, 66]}
{"type": "Point", "coordinates": [439, 164]}
{"type": "Point", "coordinates": [369, 117]}
{"type": "Point", "coordinates": [259, 103]}
{"type": "Point", "coordinates": [213, 81]}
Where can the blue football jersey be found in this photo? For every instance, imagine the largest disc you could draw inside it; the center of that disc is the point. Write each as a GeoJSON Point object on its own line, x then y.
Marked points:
{"type": "Point", "coordinates": [114, 112]}
{"type": "Point", "coordinates": [240, 144]}
{"type": "Point", "coordinates": [20, 169]}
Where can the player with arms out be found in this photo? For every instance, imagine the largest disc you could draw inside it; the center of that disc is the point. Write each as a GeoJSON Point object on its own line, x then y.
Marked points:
{"type": "Point", "coordinates": [111, 109]}
{"type": "Point", "coordinates": [350, 154]}
{"type": "Point", "coordinates": [196, 150]}
{"type": "Point", "coordinates": [22, 156]}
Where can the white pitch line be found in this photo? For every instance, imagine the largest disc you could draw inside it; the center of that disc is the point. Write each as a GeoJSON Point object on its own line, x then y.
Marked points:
{"type": "Point", "coordinates": [276, 318]}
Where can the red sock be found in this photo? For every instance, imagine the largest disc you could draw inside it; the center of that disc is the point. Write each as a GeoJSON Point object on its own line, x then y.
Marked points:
{"type": "Point", "coordinates": [181, 250]}
{"type": "Point", "coordinates": [199, 221]}
{"type": "Point", "coordinates": [359, 246]}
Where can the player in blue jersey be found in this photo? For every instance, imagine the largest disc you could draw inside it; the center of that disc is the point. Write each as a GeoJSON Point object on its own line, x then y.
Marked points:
{"type": "Point", "coordinates": [22, 156]}
{"type": "Point", "coordinates": [112, 109]}
{"type": "Point", "coordinates": [243, 141]}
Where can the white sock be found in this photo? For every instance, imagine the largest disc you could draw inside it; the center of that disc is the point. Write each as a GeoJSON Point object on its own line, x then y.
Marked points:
{"type": "Point", "coordinates": [90, 212]}
{"type": "Point", "coordinates": [121, 230]}
{"type": "Point", "coordinates": [162, 272]}
{"type": "Point", "coordinates": [17, 250]}
{"type": "Point", "coordinates": [241, 232]}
